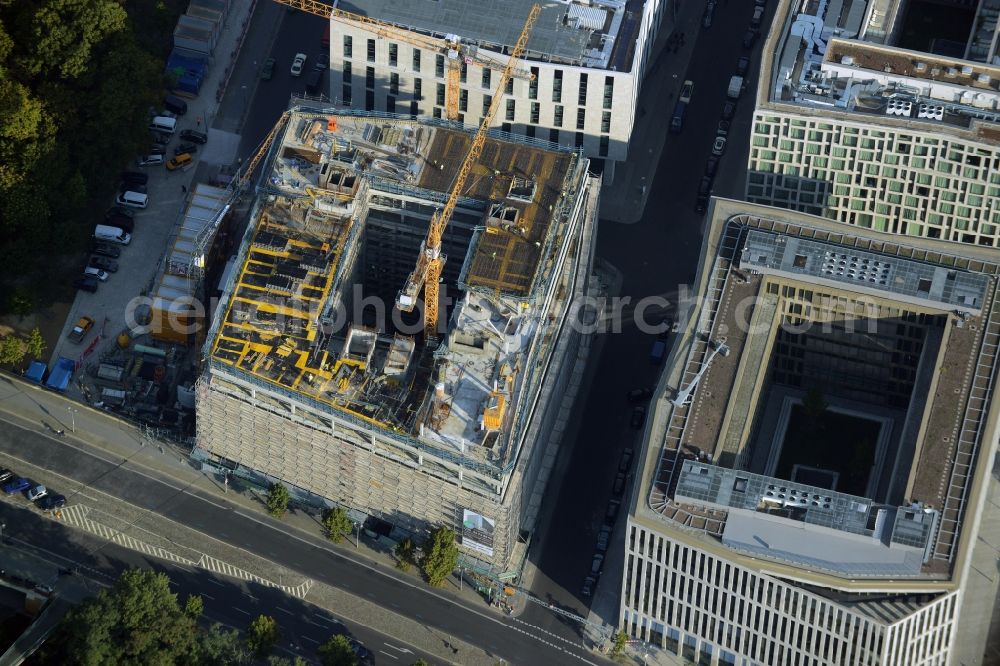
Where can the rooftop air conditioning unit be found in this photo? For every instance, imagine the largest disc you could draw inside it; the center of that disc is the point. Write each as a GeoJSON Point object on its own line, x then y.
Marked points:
{"type": "Point", "coordinates": [951, 72]}
{"type": "Point", "coordinates": [920, 66]}
{"type": "Point", "coordinates": [846, 60]}
{"type": "Point", "coordinates": [984, 79]}
{"type": "Point", "coordinates": [967, 70]}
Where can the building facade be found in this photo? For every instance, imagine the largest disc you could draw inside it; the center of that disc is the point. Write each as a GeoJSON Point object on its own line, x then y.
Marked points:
{"type": "Point", "coordinates": [581, 73]}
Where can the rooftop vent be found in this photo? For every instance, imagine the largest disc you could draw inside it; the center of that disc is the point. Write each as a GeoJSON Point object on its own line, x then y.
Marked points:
{"type": "Point", "coordinates": [846, 60]}
{"type": "Point", "coordinates": [984, 79]}
{"type": "Point", "coordinates": [887, 69]}
{"type": "Point", "coordinates": [919, 66]}
{"type": "Point", "coordinates": [898, 107]}
{"type": "Point", "coordinates": [967, 70]}
{"type": "Point", "coordinates": [951, 72]}
{"type": "Point", "coordinates": [930, 111]}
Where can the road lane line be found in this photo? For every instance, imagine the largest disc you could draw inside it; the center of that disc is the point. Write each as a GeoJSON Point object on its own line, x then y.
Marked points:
{"type": "Point", "coordinates": [391, 656]}
{"type": "Point", "coordinates": [282, 608]}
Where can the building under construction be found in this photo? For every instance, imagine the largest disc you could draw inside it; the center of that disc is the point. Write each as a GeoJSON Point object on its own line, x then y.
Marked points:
{"type": "Point", "coordinates": [313, 377]}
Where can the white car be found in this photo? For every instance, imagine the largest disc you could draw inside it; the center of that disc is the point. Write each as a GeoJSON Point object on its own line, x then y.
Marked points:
{"type": "Point", "coordinates": [96, 272]}
{"type": "Point", "coordinates": [719, 146]}
{"type": "Point", "coordinates": [298, 64]}
{"type": "Point", "coordinates": [37, 493]}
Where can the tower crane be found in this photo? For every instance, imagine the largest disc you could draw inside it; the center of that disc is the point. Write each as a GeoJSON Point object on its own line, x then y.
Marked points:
{"type": "Point", "coordinates": [455, 53]}
{"type": "Point", "coordinates": [430, 263]}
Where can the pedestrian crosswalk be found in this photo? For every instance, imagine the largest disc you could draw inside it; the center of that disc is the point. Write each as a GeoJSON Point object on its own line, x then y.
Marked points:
{"type": "Point", "coordinates": [82, 517]}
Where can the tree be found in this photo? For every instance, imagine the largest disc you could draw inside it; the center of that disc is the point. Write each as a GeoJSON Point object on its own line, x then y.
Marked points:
{"type": "Point", "coordinates": [275, 660]}
{"type": "Point", "coordinates": [135, 621]}
{"type": "Point", "coordinates": [277, 500]}
{"type": "Point", "coordinates": [618, 643]}
{"type": "Point", "coordinates": [11, 350]}
{"type": "Point", "coordinates": [194, 606]}
{"type": "Point", "coordinates": [20, 301]}
{"type": "Point", "coordinates": [337, 651]}
{"type": "Point", "coordinates": [223, 647]}
{"type": "Point", "coordinates": [336, 523]}
{"type": "Point", "coordinates": [441, 555]}
{"type": "Point", "coordinates": [36, 343]}
{"type": "Point", "coordinates": [262, 634]}
{"type": "Point", "coordinates": [404, 554]}
{"type": "Point", "coordinates": [420, 662]}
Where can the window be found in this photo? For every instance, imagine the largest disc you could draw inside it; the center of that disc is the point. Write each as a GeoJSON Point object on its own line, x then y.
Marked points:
{"type": "Point", "coordinates": [393, 83]}
{"type": "Point", "coordinates": [371, 50]}
{"type": "Point", "coordinates": [582, 95]}
{"type": "Point", "coordinates": [609, 91]}
{"type": "Point", "coordinates": [580, 118]}
{"type": "Point", "coordinates": [554, 135]}
{"type": "Point", "coordinates": [510, 86]}
{"type": "Point", "coordinates": [606, 122]}
{"type": "Point", "coordinates": [557, 119]}
{"type": "Point", "coordinates": [529, 131]}
{"type": "Point", "coordinates": [413, 109]}
{"type": "Point", "coordinates": [418, 89]}
{"type": "Point", "coordinates": [436, 112]}
{"type": "Point", "coordinates": [416, 60]}
{"type": "Point", "coordinates": [505, 127]}
{"type": "Point", "coordinates": [346, 94]}
{"type": "Point", "coordinates": [465, 72]}
{"type": "Point", "coordinates": [347, 72]}
{"type": "Point", "coordinates": [578, 139]}
{"type": "Point", "coordinates": [487, 74]}
{"type": "Point", "coordinates": [463, 100]}
{"type": "Point", "coordinates": [535, 112]}
{"type": "Point", "coordinates": [557, 86]}
{"type": "Point", "coordinates": [348, 46]}
{"type": "Point", "coordinates": [393, 54]}
{"type": "Point", "coordinates": [604, 146]}
{"type": "Point", "coordinates": [439, 66]}
{"type": "Point", "coordinates": [440, 95]}
{"type": "Point", "coordinates": [390, 104]}
{"type": "Point", "coordinates": [487, 100]}
{"type": "Point", "coordinates": [510, 110]}
{"type": "Point", "coordinates": [369, 100]}
{"type": "Point", "coordinates": [533, 84]}
{"type": "Point", "coordinates": [369, 78]}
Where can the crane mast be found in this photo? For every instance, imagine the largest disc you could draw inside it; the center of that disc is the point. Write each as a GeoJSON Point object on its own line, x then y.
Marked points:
{"type": "Point", "coordinates": [430, 263]}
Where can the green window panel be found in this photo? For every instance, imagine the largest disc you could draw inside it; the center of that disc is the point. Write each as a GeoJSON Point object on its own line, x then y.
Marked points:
{"type": "Point", "coordinates": [880, 224]}
{"type": "Point", "coordinates": [964, 211]}
{"type": "Point", "coordinates": [919, 163]}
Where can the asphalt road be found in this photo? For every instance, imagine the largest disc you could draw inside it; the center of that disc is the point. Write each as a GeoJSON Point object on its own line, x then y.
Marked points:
{"type": "Point", "coordinates": [503, 637]}
{"type": "Point", "coordinates": [656, 256]}
{"type": "Point", "coordinates": [303, 626]}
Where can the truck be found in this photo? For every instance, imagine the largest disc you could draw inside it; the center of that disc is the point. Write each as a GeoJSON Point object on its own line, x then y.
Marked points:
{"type": "Point", "coordinates": [61, 374]}
{"type": "Point", "coordinates": [657, 352]}
{"type": "Point", "coordinates": [735, 87]}
{"type": "Point", "coordinates": [677, 122]}
{"type": "Point", "coordinates": [80, 330]}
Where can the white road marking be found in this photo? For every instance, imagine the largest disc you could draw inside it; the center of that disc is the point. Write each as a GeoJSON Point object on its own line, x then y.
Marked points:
{"type": "Point", "coordinates": [391, 656]}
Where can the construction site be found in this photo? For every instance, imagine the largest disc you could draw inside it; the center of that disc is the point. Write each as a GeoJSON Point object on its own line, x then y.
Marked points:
{"type": "Point", "coordinates": [326, 370]}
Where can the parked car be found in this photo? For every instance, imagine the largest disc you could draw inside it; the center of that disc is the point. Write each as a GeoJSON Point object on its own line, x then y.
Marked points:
{"type": "Point", "coordinates": [20, 484]}
{"type": "Point", "coordinates": [185, 148]}
{"type": "Point", "coordinates": [626, 460]}
{"type": "Point", "coordinates": [686, 91]}
{"type": "Point", "coordinates": [5, 474]}
{"type": "Point", "coordinates": [603, 537]}
{"type": "Point", "coordinates": [50, 502]}
{"type": "Point", "coordinates": [135, 177]}
{"type": "Point", "coordinates": [103, 263]}
{"type": "Point", "coordinates": [37, 493]}
{"type": "Point", "coordinates": [80, 330]}
{"type": "Point", "coordinates": [639, 394]}
{"type": "Point", "coordinates": [612, 511]}
{"type": "Point", "coordinates": [322, 62]}
{"type": "Point", "coordinates": [194, 136]}
{"type": "Point", "coordinates": [149, 160]}
{"type": "Point", "coordinates": [723, 129]}
{"type": "Point", "coordinates": [638, 417]}
{"type": "Point", "coordinates": [160, 138]}
{"type": "Point", "coordinates": [177, 161]}
{"type": "Point", "coordinates": [363, 654]}
{"type": "Point", "coordinates": [267, 71]}
{"type": "Point", "coordinates": [96, 272]}
{"type": "Point", "coordinates": [107, 250]}
{"type": "Point", "coordinates": [728, 110]}
{"type": "Point", "coordinates": [705, 186]}
{"type": "Point", "coordinates": [118, 210]}
{"type": "Point", "coordinates": [122, 222]}
{"type": "Point", "coordinates": [588, 586]}
{"type": "Point", "coordinates": [132, 187]}
{"type": "Point", "coordinates": [157, 150]}
{"type": "Point", "coordinates": [298, 63]}
{"type": "Point", "coordinates": [742, 66]}
{"type": "Point", "coordinates": [719, 146]}
{"type": "Point", "coordinates": [619, 487]}
{"type": "Point", "coordinates": [86, 283]}
{"type": "Point", "coordinates": [596, 564]}
{"type": "Point", "coordinates": [700, 203]}
{"type": "Point", "coordinates": [711, 166]}
{"type": "Point", "coordinates": [749, 37]}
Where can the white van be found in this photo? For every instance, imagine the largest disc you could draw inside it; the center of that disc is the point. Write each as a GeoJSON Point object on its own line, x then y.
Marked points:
{"type": "Point", "coordinates": [163, 124]}
{"type": "Point", "coordinates": [132, 199]}
{"type": "Point", "coordinates": [96, 272]}
{"type": "Point", "coordinates": [103, 232]}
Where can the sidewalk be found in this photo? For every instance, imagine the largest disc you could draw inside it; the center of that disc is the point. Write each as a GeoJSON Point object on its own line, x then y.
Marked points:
{"type": "Point", "coordinates": [624, 199]}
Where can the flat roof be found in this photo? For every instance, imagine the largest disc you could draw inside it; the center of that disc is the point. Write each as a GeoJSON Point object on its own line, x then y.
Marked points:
{"type": "Point", "coordinates": [697, 476]}
{"type": "Point", "coordinates": [296, 266]}
{"type": "Point", "coordinates": [595, 34]}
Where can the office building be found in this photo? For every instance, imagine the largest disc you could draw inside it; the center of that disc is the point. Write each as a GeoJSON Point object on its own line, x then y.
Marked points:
{"type": "Point", "coordinates": [315, 380]}
{"type": "Point", "coordinates": [814, 467]}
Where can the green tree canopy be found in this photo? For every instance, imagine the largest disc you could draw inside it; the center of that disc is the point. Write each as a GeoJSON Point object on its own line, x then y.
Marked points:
{"type": "Point", "coordinates": [262, 634]}
{"type": "Point", "coordinates": [11, 350]}
{"type": "Point", "coordinates": [35, 343]}
{"type": "Point", "coordinates": [337, 651]}
{"type": "Point", "coordinates": [440, 555]}
{"type": "Point", "coordinates": [336, 523]}
{"type": "Point", "coordinates": [277, 500]}
{"type": "Point", "coordinates": [223, 647]}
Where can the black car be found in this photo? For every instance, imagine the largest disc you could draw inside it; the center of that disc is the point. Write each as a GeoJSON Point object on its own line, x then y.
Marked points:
{"type": "Point", "coordinates": [104, 264]}
{"type": "Point", "coordinates": [700, 204]}
{"type": "Point", "coordinates": [122, 222]}
{"type": "Point", "coordinates": [711, 166]}
{"type": "Point", "coordinates": [157, 149]}
{"type": "Point", "coordinates": [639, 394]}
{"type": "Point", "coordinates": [749, 37]}
{"type": "Point", "coordinates": [50, 502]}
{"type": "Point", "coordinates": [195, 137]}
{"type": "Point", "coordinates": [118, 210]}
{"type": "Point", "coordinates": [619, 485]}
{"type": "Point", "coordinates": [742, 66]}
{"type": "Point", "coordinates": [728, 111]}
{"type": "Point", "coordinates": [86, 283]}
{"type": "Point", "coordinates": [135, 177]}
{"type": "Point", "coordinates": [626, 460]}
{"type": "Point", "coordinates": [5, 474]}
{"type": "Point", "coordinates": [107, 250]}
{"type": "Point", "coordinates": [322, 61]}
{"type": "Point", "coordinates": [638, 417]}
{"type": "Point", "coordinates": [159, 138]}
{"type": "Point", "coordinates": [185, 148]}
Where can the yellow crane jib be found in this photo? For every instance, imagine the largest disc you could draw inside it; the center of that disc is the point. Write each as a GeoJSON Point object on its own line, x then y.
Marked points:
{"type": "Point", "coordinates": [430, 262]}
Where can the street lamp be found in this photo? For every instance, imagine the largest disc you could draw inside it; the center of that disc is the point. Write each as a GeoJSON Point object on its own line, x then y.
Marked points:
{"type": "Point", "coordinates": [2, 525]}
{"type": "Point", "coordinates": [72, 415]}
{"type": "Point", "coordinates": [357, 536]}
